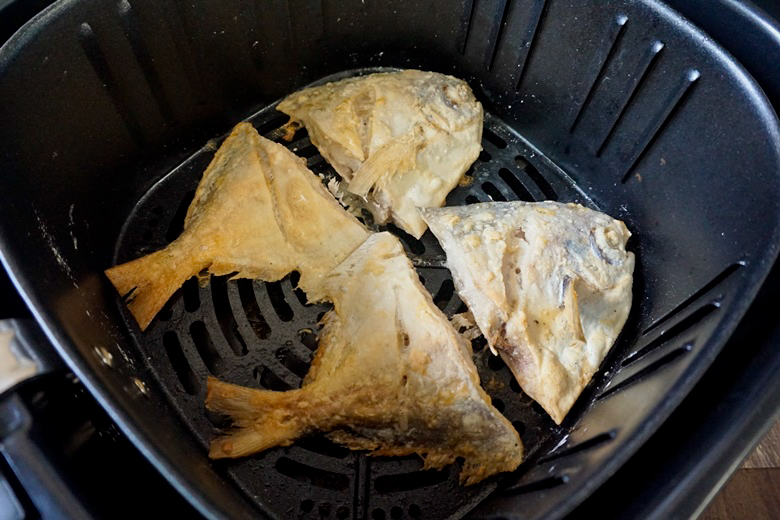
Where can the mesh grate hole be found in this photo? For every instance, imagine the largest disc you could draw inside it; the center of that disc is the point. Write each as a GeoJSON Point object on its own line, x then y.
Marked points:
{"type": "Point", "coordinates": [471, 199]}
{"type": "Point", "coordinates": [252, 310]}
{"type": "Point", "coordinates": [307, 152]}
{"type": "Point", "coordinates": [493, 139]}
{"type": "Point", "coordinates": [515, 386]}
{"type": "Point", "coordinates": [537, 408]}
{"type": "Point", "coordinates": [519, 426]}
{"type": "Point", "coordinates": [478, 343]}
{"type": "Point", "coordinates": [270, 381]}
{"type": "Point", "coordinates": [300, 135]}
{"type": "Point", "coordinates": [307, 505]}
{"type": "Point", "coordinates": [191, 295]}
{"type": "Point", "coordinates": [282, 308]}
{"type": "Point", "coordinates": [409, 481]}
{"type": "Point", "coordinates": [322, 445]}
{"type": "Point", "coordinates": [648, 370]}
{"type": "Point", "coordinates": [539, 485]}
{"type": "Point", "coordinates": [179, 363]}
{"type": "Point", "coordinates": [342, 513]}
{"type": "Point", "coordinates": [540, 181]}
{"type": "Point", "coordinates": [310, 475]}
{"type": "Point", "coordinates": [686, 323]}
{"type": "Point", "coordinates": [308, 338]}
{"type": "Point", "coordinates": [167, 311]}
{"type": "Point", "coordinates": [324, 510]}
{"type": "Point", "coordinates": [707, 287]}
{"type": "Point", "coordinates": [484, 156]}
{"type": "Point", "coordinates": [499, 405]}
{"type": "Point", "coordinates": [414, 245]}
{"type": "Point", "coordinates": [291, 362]}
{"type": "Point", "coordinates": [378, 514]}
{"type": "Point", "coordinates": [227, 323]}
{"type": "Point", "coordinates": [515, 185]}
{"type": "Point", "coordinates": [584, 445]}
{"type": "Point", "coordinates": [444, 294]}
{"type": "Point", "coordinates": [495, 362]}
{"type": "Point", "coordinates": [202, 340]}
{"type": "Point", "coordinates": [272, 124]}
{"type": "Point", "coordinates": [396, 513]}
{"type": "Point", "coordinates": [177, 223]}
{"type": "Point", "coordinates": [295, 277]}
{"type": "Point", "coordinates": [493, 192]}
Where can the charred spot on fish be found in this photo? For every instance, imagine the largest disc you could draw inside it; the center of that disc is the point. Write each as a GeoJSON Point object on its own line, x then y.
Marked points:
{"type": "Point", "coordinates": [406, 339]}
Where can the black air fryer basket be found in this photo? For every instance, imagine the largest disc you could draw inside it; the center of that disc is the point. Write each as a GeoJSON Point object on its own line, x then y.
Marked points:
{"type": "Point", "coordinates": [111, 111]}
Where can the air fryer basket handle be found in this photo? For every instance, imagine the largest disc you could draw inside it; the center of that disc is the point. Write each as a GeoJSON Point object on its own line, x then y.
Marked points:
{"type": "Point", "coordinates": [37, 475]}
{"type": "Point", "coordinates": [25, 354]}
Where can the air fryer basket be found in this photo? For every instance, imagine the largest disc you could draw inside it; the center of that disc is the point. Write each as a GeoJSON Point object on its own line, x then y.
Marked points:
{"type": "Point", "coordinates": [112, 109]}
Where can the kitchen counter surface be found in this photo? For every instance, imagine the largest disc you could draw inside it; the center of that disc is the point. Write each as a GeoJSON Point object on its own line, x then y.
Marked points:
{"type": "Point", "coordinates": [753, 492]}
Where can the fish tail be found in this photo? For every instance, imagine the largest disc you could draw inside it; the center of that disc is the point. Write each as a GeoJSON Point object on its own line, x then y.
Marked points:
{"type": "Point", "coordinates": [148, 282]}
{"type": "Point", "coordinates": [262, 419]}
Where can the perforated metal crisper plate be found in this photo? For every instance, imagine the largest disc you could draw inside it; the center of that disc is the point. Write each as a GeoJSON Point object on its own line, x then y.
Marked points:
{"type": "Point", "coordinates": [264, 335]}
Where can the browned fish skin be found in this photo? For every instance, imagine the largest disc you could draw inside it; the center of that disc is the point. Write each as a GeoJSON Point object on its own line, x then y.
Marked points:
{"type": "Point", "coordinates": [400, 140]}
{"type": "Point", "coordinates": [258, 212]}
{"type": "Point", "coordinates": [549, 286]}
{"type": "Point", "coordinates": [390, 375]}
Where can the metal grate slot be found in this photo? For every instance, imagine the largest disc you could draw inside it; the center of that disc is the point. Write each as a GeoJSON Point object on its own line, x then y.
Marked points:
{"type": "Point", "coordinates": [408, 481]}
{"type": "Point", "coordinates": [515, 185]}
{"type": "Point", "coordinates": [252, 310]}
{"type": "Point", "coordinates": [225, 317]}
{"type": "Point", "coordinates": [444, 294]}
{"type": "Point", "coordinates": [720, 278]}
{"type": "Point", "coordinates": [280, 305]}
{"type": "Point", "coordinates": [493, 192]}
{"type": "Point", "coordinates": [315, 476]}
{"type": "Point", "coordinates": [647, 371]}
{"type": "Point", "coordinates": [598, 440]}
{"type": "Point", "coordinates": [208, 353]}
{"type": "Point", "coordinates": [270, 381]}
{"type": "Point", "coordinates": [292, 362]}
{"type": "Point", "coordinates": [493, 139]}
{"type": "Point", "coordinates": [539, 485]}
{"type": "Point", "coordinates": [181, 367]}
{"type": "Point", "coordinates": [665, 336]}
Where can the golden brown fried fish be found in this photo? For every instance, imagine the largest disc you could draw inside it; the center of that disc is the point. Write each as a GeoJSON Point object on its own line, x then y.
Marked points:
{"type": "Point", "coordinates": [258, 212]}
{"type": "Point", "coordinates": [401, 140]}
{"type": "Point", "coordinates": [390, 375]}
{"type": "Point", "coordinates": [549, 286]}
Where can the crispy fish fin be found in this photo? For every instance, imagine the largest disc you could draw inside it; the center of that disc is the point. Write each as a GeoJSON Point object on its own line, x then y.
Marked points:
{"type": "Point", "coordinates": [148, 282]}
{"type": "Point", "coordinates": [245, 406]}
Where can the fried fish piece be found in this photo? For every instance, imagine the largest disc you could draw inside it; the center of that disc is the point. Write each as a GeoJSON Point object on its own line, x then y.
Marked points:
{"type": "Point", "coordinates": [390, 375]}
{"type": "Point", "coordinates": [258, 212]}
{"type": "Point", "coordinates": [549, 286]}
{"type": "Point", "coordinates": [401, 140]}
